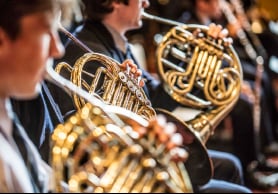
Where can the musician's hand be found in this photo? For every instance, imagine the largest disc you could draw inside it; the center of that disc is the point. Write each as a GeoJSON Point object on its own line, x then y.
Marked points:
{"type": "Point", "coordinates": [218, 32]}
{"type": "Point", "coordinates": [234, 29]}
{"type": "Point", "coordinates": [167, 134]}
{"type": "Point", "coordinates": [129, 66]}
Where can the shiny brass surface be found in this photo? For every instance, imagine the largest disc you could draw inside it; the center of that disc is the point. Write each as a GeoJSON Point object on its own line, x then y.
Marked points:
{"type": "Point", "coordinates": [197, 71]}
{"type": "Point", "coordinates": [117, 86]}
{"type": "Point", "coordinates": [201, 73]}
{"type": "Point", "coordinates": [98, 150]}
{"type": "Point", "coordinates": [93, 154]}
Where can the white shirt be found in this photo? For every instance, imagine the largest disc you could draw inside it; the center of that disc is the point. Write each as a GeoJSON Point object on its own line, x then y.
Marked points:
{"type": "Point", "coordinates": [14, 176]}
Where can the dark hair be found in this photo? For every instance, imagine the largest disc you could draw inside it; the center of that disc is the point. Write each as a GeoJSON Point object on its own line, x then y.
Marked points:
{"type": "Point", "coordinates": [11, 11]}
{"type": "Point", "coordinates": [97, 9]}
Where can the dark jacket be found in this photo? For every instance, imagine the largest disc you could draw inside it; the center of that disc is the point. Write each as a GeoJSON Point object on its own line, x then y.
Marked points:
{"type": "Point", "coordinates": [39, 117]}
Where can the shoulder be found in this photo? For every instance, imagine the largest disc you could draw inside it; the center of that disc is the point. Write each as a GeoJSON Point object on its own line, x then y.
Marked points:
{"type": "Point", "coordinates": [13, 173]}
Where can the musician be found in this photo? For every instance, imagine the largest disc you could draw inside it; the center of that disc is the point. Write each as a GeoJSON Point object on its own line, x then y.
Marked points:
{"type": "Point", "coordinates": [268, 39]}
{"type": "Point", "coordinates": [246, 148]}
{"type": "Point", "coordinates": [104, 31]}
{"type": "Point", "coordinates": [249, 65]}
{"type": "Point", "coordinates": [28, 40]}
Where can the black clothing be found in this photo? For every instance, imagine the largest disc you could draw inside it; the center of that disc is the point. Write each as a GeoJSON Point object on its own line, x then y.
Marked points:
{"type": "Point", "coordinates": [39, 117]}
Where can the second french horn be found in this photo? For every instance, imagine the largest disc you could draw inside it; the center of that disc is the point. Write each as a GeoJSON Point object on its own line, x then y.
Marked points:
{"type": "Point", "coordinates": [98, 150]}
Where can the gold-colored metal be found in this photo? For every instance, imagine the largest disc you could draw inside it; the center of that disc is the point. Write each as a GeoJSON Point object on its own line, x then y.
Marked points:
{"type": "Point", "coordinates": [117, 86]}
{"type": "Point", "coordinates": [98, 150]}
{"type": "Point", "coordinates": [199, 72]}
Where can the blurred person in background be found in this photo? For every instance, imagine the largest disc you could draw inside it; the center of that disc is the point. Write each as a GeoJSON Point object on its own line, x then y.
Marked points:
{"type": "Point", "coordinates": [243, 122]}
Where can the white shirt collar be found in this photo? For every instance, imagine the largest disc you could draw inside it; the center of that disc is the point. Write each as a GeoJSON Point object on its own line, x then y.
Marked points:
{"type": "Point", "coordinates": [6, 116]}
{"type": "Point", "coordinates": [120, 41]}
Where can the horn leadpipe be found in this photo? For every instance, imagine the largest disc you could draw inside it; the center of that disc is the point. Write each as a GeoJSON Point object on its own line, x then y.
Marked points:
{"type": "Point", "coordinates": [161, 20]}
{"type": "Point", "coordinates": [170, 22]}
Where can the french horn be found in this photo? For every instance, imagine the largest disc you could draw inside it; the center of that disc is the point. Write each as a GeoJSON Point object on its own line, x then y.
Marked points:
{"type": "Point", "coordinates": [98, 150]}
{"type": "Point", "coordinates": [197, 72]}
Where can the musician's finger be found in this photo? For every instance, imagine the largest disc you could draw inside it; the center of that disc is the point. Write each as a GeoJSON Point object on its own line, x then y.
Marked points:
{"type": "Point", "coordinates": [214, 30]}
{"type": "Point", "coordinates": [210, 29]}
{"type": "Point", "coordinates": [141, 82]}
{"type": "Point", "coordinates": [138, 73]}
{"type": "Point", "coordinates": [223, 33]}
{"type": "Point", "coordinates": [179, 154]}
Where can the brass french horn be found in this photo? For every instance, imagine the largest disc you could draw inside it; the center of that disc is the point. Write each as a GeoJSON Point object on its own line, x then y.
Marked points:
{"type": "Point", "coordinates": [98, 150]}
{"type": "Point", "coordinates": [196, 71]}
